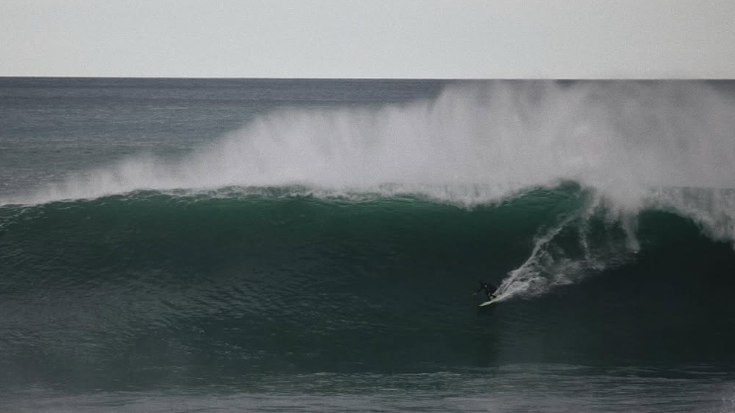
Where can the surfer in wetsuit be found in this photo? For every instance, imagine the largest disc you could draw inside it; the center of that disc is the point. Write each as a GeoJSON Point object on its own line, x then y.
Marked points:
{"type": "Point", "coordinates": [489, 290]}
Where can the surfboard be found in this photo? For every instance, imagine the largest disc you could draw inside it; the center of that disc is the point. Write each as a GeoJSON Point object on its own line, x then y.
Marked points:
{"type": "Point", "coordinates": [489, 302]}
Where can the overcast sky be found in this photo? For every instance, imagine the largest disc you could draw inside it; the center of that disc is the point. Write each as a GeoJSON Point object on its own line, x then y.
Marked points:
{"type": "Point", "coordinates": [369, 38]}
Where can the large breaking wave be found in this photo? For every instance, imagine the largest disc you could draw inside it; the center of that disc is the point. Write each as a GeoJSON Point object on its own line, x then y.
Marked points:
{"type": "Point", "coordinates": [631, 147]}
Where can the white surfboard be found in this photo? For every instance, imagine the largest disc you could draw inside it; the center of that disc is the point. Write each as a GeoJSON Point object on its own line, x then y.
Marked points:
{"type": "Point", "coordinates": [489, 302]}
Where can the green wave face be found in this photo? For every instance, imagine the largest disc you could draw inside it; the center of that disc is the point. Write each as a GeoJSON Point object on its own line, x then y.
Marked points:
{"type": "Point", "coordinates": [228, 282]}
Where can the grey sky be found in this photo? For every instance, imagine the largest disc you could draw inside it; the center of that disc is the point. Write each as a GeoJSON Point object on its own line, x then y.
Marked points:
{"type": "Point", "coordinates": [369, 38]}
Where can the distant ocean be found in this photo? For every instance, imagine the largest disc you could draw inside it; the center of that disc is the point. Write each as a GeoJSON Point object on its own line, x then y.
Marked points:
{"type": "Point", "coordinates": [314, 245]}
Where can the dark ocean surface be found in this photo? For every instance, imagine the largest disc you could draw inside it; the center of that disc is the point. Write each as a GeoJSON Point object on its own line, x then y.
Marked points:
{"type": "Point", "coordinates": [314, 245]}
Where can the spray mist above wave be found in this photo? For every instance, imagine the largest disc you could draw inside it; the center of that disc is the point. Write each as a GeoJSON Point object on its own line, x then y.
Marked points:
{"type": "Point", "coordinates": [635, 143]}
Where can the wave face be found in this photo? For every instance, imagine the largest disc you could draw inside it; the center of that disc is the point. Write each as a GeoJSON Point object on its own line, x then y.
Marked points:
{"type": "Point", "coordinates": [347, 236]}
{"type": "Point", "coordinates": [152, 288]}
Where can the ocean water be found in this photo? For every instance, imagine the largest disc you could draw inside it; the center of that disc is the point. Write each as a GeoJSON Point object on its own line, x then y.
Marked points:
{"type": "Point", "coordinates": [314, 245]}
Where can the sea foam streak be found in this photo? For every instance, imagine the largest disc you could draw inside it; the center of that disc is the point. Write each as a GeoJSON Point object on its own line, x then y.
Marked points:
{"type": "Point", "coordinates": [569, 251]}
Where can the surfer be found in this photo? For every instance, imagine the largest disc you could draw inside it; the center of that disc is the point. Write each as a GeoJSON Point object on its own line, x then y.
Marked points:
{"type": "Point", "coordinates": [489, 290]}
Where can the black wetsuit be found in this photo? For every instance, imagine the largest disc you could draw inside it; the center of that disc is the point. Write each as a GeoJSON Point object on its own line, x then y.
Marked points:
{"type": "Point", "coordinates": [489, 290]}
